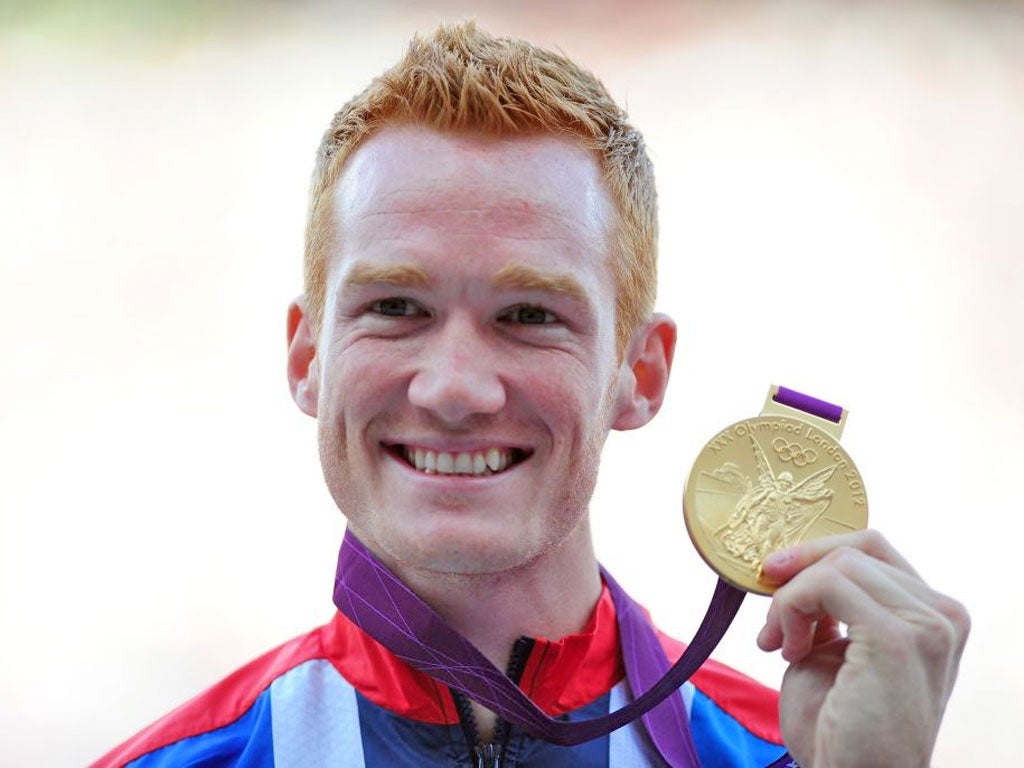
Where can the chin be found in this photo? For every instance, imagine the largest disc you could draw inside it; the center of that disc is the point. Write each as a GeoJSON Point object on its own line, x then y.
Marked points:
{"type": "Point", "coordinates": [458, 547]}
{"type": "Point", "coordinates": [463, 549]}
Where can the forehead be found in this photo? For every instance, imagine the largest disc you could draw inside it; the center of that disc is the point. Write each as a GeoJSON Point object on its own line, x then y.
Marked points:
{"type": "Point", "coordinates": [542, 186]}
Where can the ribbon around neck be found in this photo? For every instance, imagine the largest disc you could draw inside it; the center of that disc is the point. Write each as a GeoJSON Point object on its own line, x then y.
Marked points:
{"type": "Point", "coordinates": [378, 602]}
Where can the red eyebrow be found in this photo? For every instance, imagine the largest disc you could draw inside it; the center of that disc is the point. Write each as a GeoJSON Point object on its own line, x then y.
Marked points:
{"type": "Point", "coordinates": [399, 275]}
{"type": "Point", "coordinates": [523, 277]}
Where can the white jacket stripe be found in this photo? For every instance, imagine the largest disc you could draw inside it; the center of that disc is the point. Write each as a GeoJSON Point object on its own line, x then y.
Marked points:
{"type": "Point", "coordinates": [315, 719]}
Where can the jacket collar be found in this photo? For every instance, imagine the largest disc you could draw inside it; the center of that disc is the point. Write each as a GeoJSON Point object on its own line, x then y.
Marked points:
{"type": "Point", "coordinates": [559, 675]}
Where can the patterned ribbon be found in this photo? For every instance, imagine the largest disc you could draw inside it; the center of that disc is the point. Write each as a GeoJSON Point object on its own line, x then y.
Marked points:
{"type": "Point", "coordinates": [377, 601]}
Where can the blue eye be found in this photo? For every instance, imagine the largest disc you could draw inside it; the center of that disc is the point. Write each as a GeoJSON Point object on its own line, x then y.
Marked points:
{"type": "Point", "coordinates": [527, 314]}
{"type": "Point", "coordinates": [395, 307]}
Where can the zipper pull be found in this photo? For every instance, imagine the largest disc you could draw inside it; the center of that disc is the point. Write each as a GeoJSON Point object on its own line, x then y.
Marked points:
{"type": "Point", "coordinates": [487, 756]}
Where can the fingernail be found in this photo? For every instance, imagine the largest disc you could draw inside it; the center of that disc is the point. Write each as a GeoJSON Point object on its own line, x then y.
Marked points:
{"type": "Point", "coordinates": [777, 559]}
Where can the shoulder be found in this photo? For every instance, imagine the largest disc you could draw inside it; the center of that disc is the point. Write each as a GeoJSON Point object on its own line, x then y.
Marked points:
{"type": "Point", "coordinates": [729, 697]}
{"type": "Point", "coordinates": [232, 715]}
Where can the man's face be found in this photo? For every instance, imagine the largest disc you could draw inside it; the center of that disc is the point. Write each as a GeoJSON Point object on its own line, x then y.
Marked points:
{"type": "Point", "coordinates": [466, 367]}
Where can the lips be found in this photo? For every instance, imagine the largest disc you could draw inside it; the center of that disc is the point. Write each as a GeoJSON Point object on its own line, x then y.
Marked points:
{"type": "Point", "coordinates": [478, 463]}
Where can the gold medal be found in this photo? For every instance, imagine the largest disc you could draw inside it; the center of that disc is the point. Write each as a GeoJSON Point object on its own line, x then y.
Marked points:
{"type": "Point", "coordinates": [769, 482]}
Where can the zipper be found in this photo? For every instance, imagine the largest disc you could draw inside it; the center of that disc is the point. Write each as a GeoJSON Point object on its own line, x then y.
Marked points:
{"type": "Point", "coordinates": [487, 756]}
{"type": "Point", "coordinates": [492, 754]}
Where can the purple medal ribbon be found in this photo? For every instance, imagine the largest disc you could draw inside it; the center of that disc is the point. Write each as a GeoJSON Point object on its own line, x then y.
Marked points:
{"type": "Point", "coordinates": [808, 404]}
{"type": "Point", "coordinates": [385, 608]}
{"type": "Point", "coordinates": [378, 602]}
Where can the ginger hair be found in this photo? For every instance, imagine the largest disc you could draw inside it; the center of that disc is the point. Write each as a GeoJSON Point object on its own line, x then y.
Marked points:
{"type": "Point", "coordinates": [461, 78]}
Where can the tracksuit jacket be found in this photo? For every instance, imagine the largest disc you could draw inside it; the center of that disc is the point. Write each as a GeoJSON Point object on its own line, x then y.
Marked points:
{"type": "Point", "coordinates": [336, 697]}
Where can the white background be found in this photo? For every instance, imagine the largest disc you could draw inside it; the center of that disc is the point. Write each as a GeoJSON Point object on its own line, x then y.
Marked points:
{"type": "Point", "coordinates": [841, 200]}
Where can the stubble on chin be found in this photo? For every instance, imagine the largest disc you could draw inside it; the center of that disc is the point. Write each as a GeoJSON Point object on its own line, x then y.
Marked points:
{"type": "Point", "coordinates": [451, 502]}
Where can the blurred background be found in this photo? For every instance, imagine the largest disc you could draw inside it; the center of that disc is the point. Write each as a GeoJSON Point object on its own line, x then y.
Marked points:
{"type": "Point", "coordinates": [842, 205]}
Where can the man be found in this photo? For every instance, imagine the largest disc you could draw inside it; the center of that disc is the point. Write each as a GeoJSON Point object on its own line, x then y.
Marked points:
{"type": "Point", "coordinates": [477, 315]}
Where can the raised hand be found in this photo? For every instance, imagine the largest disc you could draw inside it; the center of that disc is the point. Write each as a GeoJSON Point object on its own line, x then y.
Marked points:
{"type": "Point", "coordinates": [874, 695]}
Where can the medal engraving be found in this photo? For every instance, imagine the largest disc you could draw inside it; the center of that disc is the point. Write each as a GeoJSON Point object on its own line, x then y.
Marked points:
{"type": "Point", "coordinates": [764, 484]}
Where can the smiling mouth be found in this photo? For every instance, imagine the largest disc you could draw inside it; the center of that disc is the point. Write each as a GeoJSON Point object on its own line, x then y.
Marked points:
{"type": "Point", "coordinates": [492, 461]}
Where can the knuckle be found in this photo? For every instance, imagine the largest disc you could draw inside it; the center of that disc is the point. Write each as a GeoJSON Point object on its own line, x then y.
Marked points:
{"type": "Point", "coordinates": [875, 543]}
{"type": "Point", "coordinates": [935, 636]}
{"type": "Point", "coordinates": [844, 559]}
{"type": "Point", "coordinates": [782, 600]}
{"type": "Point", "coordinates": [956, 613]}
{"type": "Point", "coordinates": [788, 600]}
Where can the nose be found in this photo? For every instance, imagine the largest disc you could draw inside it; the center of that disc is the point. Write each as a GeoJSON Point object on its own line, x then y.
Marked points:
{"type": "Point", "coordinates": [457, 375]}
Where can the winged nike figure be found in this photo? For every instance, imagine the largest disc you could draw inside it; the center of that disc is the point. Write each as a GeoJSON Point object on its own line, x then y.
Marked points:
{"type": "Point", "coordinates": [773, 513]}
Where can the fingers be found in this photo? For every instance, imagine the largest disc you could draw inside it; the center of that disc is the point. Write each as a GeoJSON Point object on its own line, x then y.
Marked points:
{"type": "Point", "coordinates": [783, 565]}
{"type": "Point", "coordinates": [815, 595]}
{"type": "Point", "coordinates": [797, 634]}
{"type": "Point", "coordinates": [861, 581]}
{"type": "Point", "coordinates": [843, 586]}
{"type": "Point", "coordinates": [888, 680]}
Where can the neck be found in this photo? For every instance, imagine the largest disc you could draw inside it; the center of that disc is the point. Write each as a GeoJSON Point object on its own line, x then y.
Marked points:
{"type": "Point", "coordinates": [551, 596]}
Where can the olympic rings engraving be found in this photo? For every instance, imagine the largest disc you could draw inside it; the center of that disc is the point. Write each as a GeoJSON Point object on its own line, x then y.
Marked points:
{"type": "Point", "coordinates": [794, 452]}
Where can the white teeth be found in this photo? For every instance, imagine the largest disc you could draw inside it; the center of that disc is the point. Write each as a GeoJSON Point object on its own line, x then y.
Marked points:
{"type": "Point", "coordinates": [487, 462]}
{"type": "Point", "coordinates": [493, 459]}
{"type": "Point", "coordinates": [445, 463]}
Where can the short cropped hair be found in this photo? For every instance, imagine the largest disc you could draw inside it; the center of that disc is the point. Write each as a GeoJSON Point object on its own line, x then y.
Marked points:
{"type": "Point", "coordinates": [461, 78]}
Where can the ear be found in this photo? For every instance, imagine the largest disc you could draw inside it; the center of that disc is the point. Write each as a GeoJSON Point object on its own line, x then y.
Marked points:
{"type": "Point", "coordinates": [644, 372]}
{"type": "Point", "coordinates": [303, 370]}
